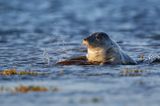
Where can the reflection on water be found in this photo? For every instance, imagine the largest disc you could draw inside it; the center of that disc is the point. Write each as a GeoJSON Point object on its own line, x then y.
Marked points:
{"type": "Point", "coordinates": [35, 33]}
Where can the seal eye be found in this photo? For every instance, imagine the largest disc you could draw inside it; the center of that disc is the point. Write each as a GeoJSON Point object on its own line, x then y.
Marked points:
{"type": "Point", "coordinates": [98, 37]}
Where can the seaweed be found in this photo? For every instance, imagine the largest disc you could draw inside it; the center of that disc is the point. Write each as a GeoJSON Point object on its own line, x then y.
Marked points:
{"type": "Point", "coordinates": [9, 72]}
{"type": "Point", "coordinates": [28, 88]}
{"type": "Point", "coordinates": [131, 72]}
{"type": "Point", "coordinates": [25, 89]}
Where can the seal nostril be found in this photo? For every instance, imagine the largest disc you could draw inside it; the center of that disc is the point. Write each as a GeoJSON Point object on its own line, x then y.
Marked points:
{"type": "Point", "coordinates": [85, 39]}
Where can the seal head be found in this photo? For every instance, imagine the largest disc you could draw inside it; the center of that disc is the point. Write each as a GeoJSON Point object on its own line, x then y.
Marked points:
{"type": "Point", "coordinates": [101, 48]}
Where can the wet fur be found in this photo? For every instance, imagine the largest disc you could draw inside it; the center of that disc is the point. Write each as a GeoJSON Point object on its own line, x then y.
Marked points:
{"type": "Point", "coordinates": [106, 53]}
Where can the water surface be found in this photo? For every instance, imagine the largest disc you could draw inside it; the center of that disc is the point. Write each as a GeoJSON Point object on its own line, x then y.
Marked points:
{"type": "Point", "coordinates": [33, 33]}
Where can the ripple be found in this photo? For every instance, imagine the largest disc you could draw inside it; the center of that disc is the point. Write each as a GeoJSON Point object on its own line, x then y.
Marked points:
{"type": "Point", "coordinates": [28, 28]}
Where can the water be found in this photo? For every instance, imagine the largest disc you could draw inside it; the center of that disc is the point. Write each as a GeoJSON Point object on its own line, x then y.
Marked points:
{"type": "Point", "coordinates": [36, 34]}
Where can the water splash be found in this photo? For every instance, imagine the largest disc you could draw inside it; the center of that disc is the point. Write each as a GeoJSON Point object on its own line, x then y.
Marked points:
{"type": "Point", "coordinates": [152, 58]}
{"type": "Point", "coordinates": [46, 57]}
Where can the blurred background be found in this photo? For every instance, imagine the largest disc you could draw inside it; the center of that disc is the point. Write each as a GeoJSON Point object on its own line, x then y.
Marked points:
{"type": "Point", "coordinates": [34, 34]}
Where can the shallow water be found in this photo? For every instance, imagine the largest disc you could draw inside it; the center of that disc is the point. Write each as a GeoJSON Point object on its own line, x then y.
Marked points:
{"type": "Point", "coordinates": [36, 34]}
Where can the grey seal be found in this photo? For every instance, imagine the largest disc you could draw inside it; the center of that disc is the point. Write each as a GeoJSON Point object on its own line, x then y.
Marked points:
{"type": "Point", "coordinates": [102, 49]}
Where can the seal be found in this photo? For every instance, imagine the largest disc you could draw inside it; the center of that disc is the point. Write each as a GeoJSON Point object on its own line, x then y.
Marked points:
{"type": "Point", "coordinates": [102, 49]}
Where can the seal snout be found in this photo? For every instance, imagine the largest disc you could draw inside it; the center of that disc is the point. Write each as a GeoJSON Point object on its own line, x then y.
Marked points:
{"type": "Point", "coordinates": [85, 41]}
